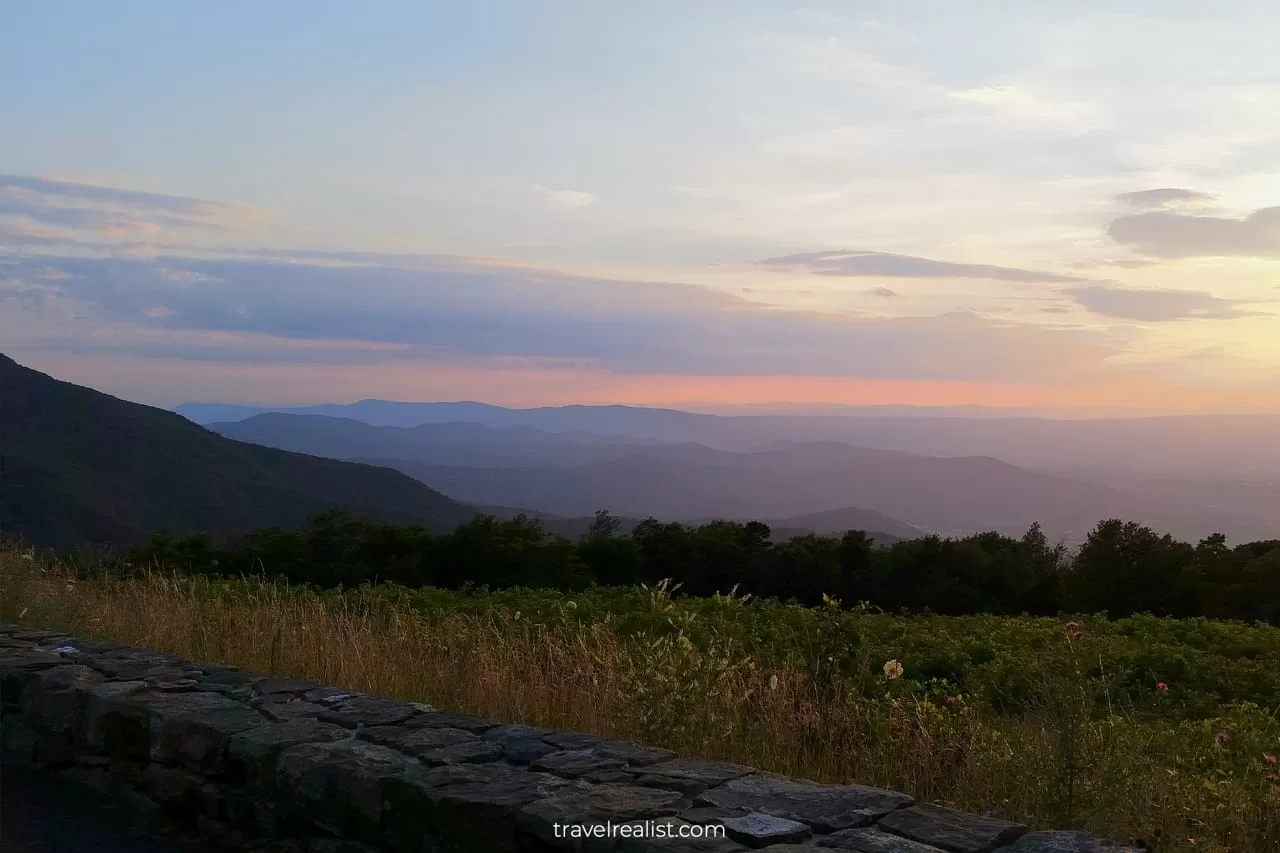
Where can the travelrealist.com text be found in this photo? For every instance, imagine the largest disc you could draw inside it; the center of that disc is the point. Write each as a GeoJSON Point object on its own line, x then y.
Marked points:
{"type": "Point", "coordinates": [637, 829]}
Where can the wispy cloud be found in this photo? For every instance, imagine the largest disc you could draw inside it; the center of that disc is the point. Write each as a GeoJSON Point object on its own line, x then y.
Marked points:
{"type": "Point", "coordinates": [465, 311]}
{"type": "Point", "coordinates": [1165, 198]}
{"type": "Point", "coordinates": [107, 212]}
{"type": "Point", "coordinates": [887, 265]}
{"type": "Point", "coordinates": [1158, 305]}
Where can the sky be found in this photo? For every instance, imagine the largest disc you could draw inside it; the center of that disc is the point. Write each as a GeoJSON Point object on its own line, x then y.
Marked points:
{"type": "Point", "coordinates": [1034, 204]}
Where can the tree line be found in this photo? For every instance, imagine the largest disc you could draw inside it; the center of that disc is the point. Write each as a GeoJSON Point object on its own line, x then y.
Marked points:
{"type": "Point", "coordinates": [1123, 567]}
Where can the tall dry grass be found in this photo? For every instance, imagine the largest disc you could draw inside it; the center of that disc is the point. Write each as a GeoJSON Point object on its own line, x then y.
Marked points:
{"type": "Point", "coordinates": [1059, 767]}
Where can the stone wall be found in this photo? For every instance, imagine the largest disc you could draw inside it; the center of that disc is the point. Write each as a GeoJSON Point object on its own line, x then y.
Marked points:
{"type": "Point", "coordinates": [280, 764]}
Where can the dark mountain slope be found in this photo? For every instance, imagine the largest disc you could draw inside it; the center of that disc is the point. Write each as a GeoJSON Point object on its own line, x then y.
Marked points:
{"type": "Point", "coordinates": [82, 467]}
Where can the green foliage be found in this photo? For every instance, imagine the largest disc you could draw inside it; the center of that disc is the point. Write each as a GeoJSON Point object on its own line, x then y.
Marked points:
{"type": "Point", "coordinates": [1123, 568]}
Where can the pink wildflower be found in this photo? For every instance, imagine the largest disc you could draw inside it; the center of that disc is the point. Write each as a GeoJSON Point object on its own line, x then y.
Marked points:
{"type": "Point", "coordinates": [1077, 635]}
{"type": "Point", "coordinates": [1073, 624]}
{"type": "Point", "coordinates": [1162, 687]}
{"type": "Point", "coordinates": [951, 700]}
{"type": "Point", "coordinates": [1269, 758]}
{"type": "Point", "coordinates": [1220, 737]}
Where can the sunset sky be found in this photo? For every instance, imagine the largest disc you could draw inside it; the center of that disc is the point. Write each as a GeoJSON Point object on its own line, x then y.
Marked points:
{"type": "Point", "coordinates": [1034, 204]}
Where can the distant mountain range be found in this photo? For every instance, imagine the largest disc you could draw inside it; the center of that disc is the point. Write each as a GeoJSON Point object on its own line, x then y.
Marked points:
{"type": "Point", "coordinates": [569, 475]}
{"type": "Point", "coordinates": [1218, 447]}
{"type": "Point", "coordinates": [78, 467]}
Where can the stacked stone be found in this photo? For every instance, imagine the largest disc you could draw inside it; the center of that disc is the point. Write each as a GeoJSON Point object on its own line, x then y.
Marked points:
{"type": "Point", "coordinates": [280, 764]}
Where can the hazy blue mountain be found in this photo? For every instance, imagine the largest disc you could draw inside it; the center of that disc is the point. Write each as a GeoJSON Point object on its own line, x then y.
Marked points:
{"type": "Point", "coordinates": [1224, 447]}
{"type": "Point", "coordinates": [446, 443]}
{"type": "Point", "coordinates": [949, 496]}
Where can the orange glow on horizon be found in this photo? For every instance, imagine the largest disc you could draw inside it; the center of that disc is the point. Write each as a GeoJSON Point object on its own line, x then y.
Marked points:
{"type": "Point", "coordinates": [520, 384]}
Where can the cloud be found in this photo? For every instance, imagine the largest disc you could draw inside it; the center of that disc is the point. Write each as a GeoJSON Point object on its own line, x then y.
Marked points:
{"type": "Point", "coordinates": [181, 205]}
{"type": "Point", "coordinates": [1166, 234]}
{"type": "Point", "coordinates": [1157, 305]}
{"type": "Point", "coordinates": [1118, 263]}
{"type": "Point", "coordinates": [565, 199]}
{"type": "Point", "coordinates": [106, 212]}
{"type": "Point", "coordinates": [883, 292]}
{"type": "Point", "coordinates": [1165, 198]}
{"type": "Point", "coordinates": [886, 265]}
{"type": "Point", "coordinates": [465, 311]}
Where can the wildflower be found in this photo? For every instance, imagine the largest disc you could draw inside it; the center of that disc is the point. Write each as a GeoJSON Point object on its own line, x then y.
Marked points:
{"type": "Point", "coordinates": [951, 700]}
{"type": "Point", "coordinates": [1221, 737]}
{"type": "Point", "coordinates": [1072, 624]}
{"type": "Point", "coordinates": [892, 669]}
{"type": "Point", "coordinates": [1162, 687]}
{"type": "Point", "coordinates": [1269, 758]}
{"type": "Point", "coordinates": [1076, 635]}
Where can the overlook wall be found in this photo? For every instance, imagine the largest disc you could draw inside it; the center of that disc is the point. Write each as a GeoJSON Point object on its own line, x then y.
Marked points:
{"type": "Point", "coordinates": [284, 765]}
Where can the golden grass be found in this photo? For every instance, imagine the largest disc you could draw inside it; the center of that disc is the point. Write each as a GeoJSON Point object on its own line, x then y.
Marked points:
{"type": "Point", "coordinates": [1051, 769]}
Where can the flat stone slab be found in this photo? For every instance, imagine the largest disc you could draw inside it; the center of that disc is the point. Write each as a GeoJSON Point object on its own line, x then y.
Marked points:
{"type": "Point", "coordinates": [872, 840]}
{"type": "Point", "coordinates": [576, 764]}
{"type": "Point", "coordinates": [826, 808]}
{"type": "Point", "coordinates": [273, 685]}
{"type": "Point", "coordinates": [634, 754]}
{"type": "Point", "coordinates": [353, 711]}
{"type": "Point", "coordinates": [760, 830]}
{"type": "Point", "coordinates": [520, 744]}
{"type": "Point", "coordinates": [451, 720]}
{"type": "Point", "coordinates": [435, 746]}
{"type": "Point", "coordinates": [1066, 841]}
{"type": "Point", "coordinates": [951, 830]}
{"type": "Point", "coordinates": [690, 775]}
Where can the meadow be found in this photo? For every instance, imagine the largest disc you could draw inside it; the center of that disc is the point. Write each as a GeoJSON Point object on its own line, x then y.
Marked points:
{"type": "Point", "coordinates": [1159, 729]}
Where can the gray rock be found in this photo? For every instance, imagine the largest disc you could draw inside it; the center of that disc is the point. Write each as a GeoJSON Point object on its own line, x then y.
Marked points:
{"type": "Point", "coordinates": [367, 711]}
{"type": "Point", "coordinates": [873, 840]}
{"type": "Point", "coordinates": [460, 807]}
{"type": "Point", "coordinates": [573, 741]}
{"type": "Point", "coordinates": [826, 808]}
{"type": "Point", "coordinates": [58, 697]}
{"type": "Point", "coordinates": [338, 845]}
{"type": "Point", "coordinates": [114, 724]}
{"type": "Point", "coordinates": [710, 814]}
{"type": "Point", "coordinates": [18, 667]}
{"type": "Point", "coordinates": [545, 819]}
{"type": "Point", "coordinates": [576, 764]}
{"type": "Point", "coordinates": [760, 830]}
{"type": "Point", "coordinates": [691, 775]}
{"type": "Point", "coordinates": [435, 746]}
{"type": "Point", "coordinates": [193, 729]}
{"type": "Point", "coordinates": [520, 744]}
{"type": "Point", "coordinates": [282, 712]}
{"type": "Point", "coordinates": [252, 753]}
{"type": "Point", "coordinates": [951, 830]}
{"type": "Point", "coordinates": [1065, 842]}
{"type": "Point", "coordinates": [339, 787]}
{"type": "Point", "coordinates": [272, 685]}
{"type": "Point", "coordinates": [451, 720]}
